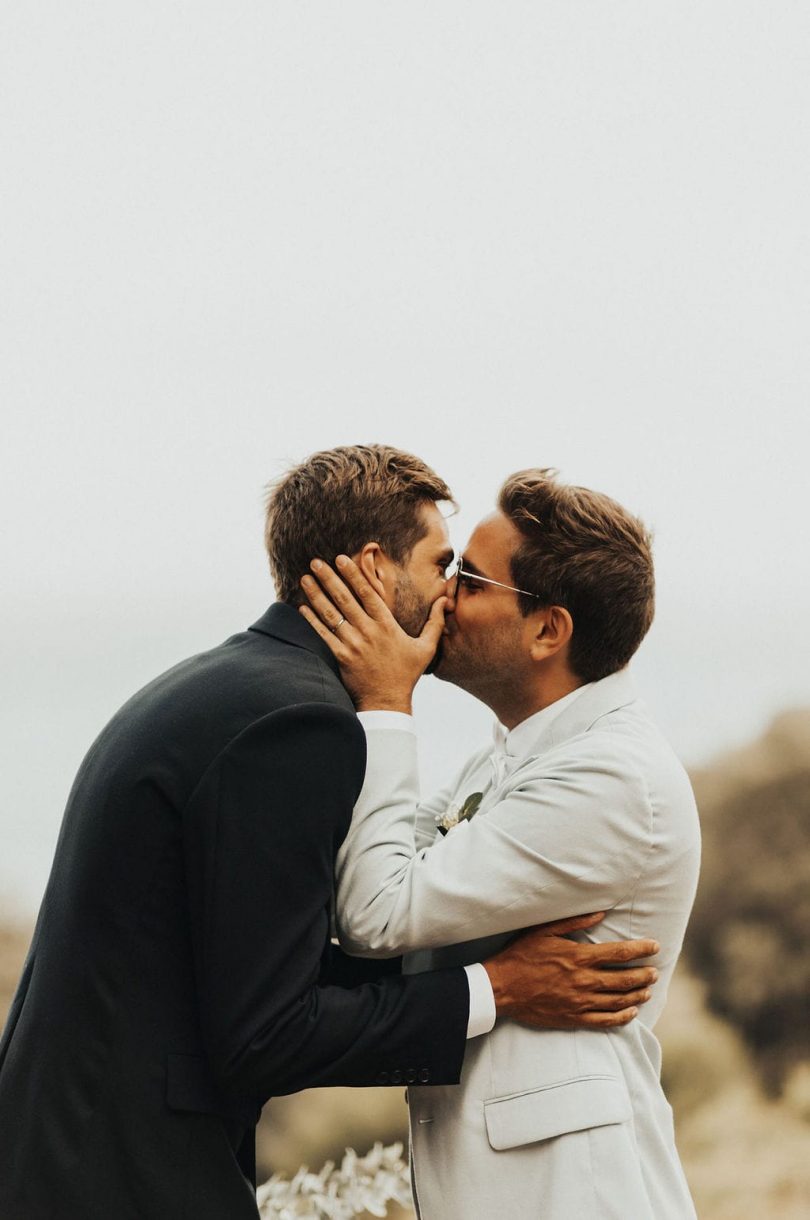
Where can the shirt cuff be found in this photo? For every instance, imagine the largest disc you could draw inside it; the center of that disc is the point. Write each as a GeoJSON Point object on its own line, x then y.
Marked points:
{"type": "Point", "coordinates": [482, 1001]}
{"type": "Point", "coordinates": [386, 720]}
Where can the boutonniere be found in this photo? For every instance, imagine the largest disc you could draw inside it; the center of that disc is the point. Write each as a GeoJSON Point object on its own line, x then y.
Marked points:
{"type": "Point", "coordinates": [459, 813]}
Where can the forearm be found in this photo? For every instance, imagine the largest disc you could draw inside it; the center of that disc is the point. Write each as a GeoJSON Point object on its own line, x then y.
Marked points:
{"type": "Point", "coordinates": [380, 842]}
{"type": "Point", "coordinates": [573, 840]}
{"type": "Point", "coordinates": [376, 1033]}
{"type": "Point", "coordinates": [339, 969]}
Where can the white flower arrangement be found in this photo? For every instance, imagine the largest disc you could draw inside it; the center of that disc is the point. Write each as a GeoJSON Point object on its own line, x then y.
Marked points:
{"type": "Point", "coordinates": [360, 1185]}
{"type": "Point", "coordinates": [459, 813]}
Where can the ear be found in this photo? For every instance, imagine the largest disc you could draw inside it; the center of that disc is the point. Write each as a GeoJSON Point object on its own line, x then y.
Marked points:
{"type": "Point", "coordinates": [554, 628]}
{"type": "Point", "coordinates": [377, 569]}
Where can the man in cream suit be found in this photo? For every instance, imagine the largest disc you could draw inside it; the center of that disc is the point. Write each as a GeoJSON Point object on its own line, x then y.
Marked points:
{"type": "Point", "coordinates": [579, 805]}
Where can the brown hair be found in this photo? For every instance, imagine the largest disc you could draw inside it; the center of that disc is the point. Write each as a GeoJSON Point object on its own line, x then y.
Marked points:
{"type": "Point", "coordinates": [582, 551]}
{"type": "Point", "coordinates": [338, 500]}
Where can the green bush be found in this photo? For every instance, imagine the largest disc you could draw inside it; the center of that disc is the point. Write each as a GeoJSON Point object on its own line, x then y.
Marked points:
{"type": "Point", "coordinates": [749, 938]}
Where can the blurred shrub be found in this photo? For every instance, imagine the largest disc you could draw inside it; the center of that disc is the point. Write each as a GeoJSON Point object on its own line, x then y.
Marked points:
{"type": "Point", "coordinates": [797, 1091]}
{"type": "Point", "coordinates": [749, 938]}
{"type": "Point", "coordinates": [702, 1054]}
{"type": "Point", "coordinates": [14, 941]}
{"type": "Point", "coordinates": [319, 1124]}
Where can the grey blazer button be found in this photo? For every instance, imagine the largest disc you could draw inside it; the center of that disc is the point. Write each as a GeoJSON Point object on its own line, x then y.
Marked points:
{"type": "Point", "coordinates": [397, 1078]}
{"type": "Point", "coordinates": [382, 1078]}
{"type": "Point", "coordinates": [424, 1075]}
{"type": "Point", "coordinates": [411, 1075]}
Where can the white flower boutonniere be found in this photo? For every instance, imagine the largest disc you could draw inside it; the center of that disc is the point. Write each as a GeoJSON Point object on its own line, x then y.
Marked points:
{"type": "Point", "coordinates": [459, 813]}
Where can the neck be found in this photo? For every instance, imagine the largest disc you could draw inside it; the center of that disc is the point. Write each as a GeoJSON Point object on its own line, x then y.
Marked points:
{"type": "Point", "coordinates": [513, 711]}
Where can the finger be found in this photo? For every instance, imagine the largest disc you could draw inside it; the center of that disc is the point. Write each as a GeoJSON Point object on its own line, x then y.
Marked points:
{"type": "Point", "coordinates": [626, 980]}
{"type": "Point", "coordinates": [330, 598]}
{"type": "Point", "coordinates": [368, 596]}
{"type": "Point", "coordinates": [327, 613]}
{"type": "Point", "coordinates": [612, 1001]}
{"type": "Point", "coordinates": [620, 951]}
{"type": "Point", "coordinates": [329, 638]}
{"type": "Point", "coordinates": [433, 628]}
{"type": "Point", "coordinates": [607, 1020]}
{"type": "Point", "coordinates": [576, 923]}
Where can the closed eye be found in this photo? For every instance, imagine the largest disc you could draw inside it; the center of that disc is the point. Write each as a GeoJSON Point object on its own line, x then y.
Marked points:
{"type": "Point", "coordinates": [444, 563]}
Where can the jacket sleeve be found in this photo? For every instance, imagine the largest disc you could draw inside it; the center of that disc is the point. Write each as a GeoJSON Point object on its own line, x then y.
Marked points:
{"type": "Point", "coordinates": [261, 833]}
{"type": "Point", "coordinates": [571, 834]}
{"type": "Point", "coordinates": [340, 970]}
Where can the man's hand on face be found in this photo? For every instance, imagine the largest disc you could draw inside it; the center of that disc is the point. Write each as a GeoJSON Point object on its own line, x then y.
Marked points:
{"type": "Point", "coordinates": [379, 662]}
{"type": "Point", "coordinates": [543, 979]}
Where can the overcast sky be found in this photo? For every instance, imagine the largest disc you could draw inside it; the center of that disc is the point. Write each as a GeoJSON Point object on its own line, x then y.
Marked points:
{"type": "Point", "coordinates": [569, 234]}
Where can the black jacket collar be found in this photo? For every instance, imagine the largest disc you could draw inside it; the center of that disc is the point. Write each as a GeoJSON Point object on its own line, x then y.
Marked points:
{"type": "Point", "coordinates": [283, 622]}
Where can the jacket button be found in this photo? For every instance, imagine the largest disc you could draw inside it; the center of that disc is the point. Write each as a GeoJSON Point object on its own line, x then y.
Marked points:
{"type": "Point", "coordinates": [382, 1078]}
{"type": "Point", "coordinates": [411, 1075]}
{"type": "Point", "coordinates": [424, 1075]}
{"type": "Point", "coordinates": [396, 1078]}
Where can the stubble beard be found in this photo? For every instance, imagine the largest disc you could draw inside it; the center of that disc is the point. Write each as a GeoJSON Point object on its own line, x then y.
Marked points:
{"type": "Point", "coordinates": [487, 671]}
{"type": "Point", "coordinates": [411, 609]}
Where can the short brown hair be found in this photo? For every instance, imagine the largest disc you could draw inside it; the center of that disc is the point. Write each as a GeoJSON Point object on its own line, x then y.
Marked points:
{"type": "Point", "coordinates": [583, 551]}
{"type": "Point", "coordinates": [338, 500]}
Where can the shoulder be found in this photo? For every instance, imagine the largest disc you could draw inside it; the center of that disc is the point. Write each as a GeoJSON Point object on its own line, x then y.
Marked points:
{"type": "Point", "coordinates": [313, 730]}
{"type": "Point", "coordinates": [634, 740]}
{"type": "Point", "coordinates": [596, 771]}
{"type": "Point", "coordinates": [312, 755]}
{"type": "Point", "coordinates": [600, 750]}
{"type": "Point", "coordinates": [622, 766]}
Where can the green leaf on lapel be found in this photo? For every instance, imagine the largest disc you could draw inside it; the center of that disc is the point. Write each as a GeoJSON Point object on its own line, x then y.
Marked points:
{"type": "Point", "coordinates": [471, 806]}
{"type": "Point", "coordinates": [459, 813]}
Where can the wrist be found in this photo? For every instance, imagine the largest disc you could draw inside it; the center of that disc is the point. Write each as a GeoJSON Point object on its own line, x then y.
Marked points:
{"type": "Point", "coordinates": [504, 1001]}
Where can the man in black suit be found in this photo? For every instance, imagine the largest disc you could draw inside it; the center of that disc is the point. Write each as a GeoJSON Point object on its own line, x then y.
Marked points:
{"type": "Point", "coordinates": [181, 970]}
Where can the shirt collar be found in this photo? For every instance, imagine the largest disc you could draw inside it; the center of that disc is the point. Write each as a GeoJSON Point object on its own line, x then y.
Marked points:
{"type": "Point", "coordinates": [518, 742]}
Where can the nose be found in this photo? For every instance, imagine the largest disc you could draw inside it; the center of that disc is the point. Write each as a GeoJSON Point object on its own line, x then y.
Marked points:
{"type": "Point", "coordinates": [450, 593]}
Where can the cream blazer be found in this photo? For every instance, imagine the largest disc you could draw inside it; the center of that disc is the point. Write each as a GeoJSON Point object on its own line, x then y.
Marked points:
{"type": "Point", "coordinates": [599, 815]}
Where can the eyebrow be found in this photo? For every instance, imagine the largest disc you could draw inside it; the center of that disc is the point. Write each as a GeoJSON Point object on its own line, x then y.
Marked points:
{"type": "Point", "coordinates": [469, 566]}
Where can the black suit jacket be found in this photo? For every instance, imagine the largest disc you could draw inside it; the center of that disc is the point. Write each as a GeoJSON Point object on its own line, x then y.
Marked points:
{"type": "Point", "coordinates": [181, 971]}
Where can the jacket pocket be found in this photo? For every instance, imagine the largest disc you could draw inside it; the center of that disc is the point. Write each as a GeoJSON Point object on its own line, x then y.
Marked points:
{"type": "Point", "coordinates": [556, 1109]}
{"type": "Point", "coordinates": [189, 1087]}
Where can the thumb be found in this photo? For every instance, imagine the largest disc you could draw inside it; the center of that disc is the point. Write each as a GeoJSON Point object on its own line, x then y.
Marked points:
{"type": "Point", "coordinates": [434, 626]}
